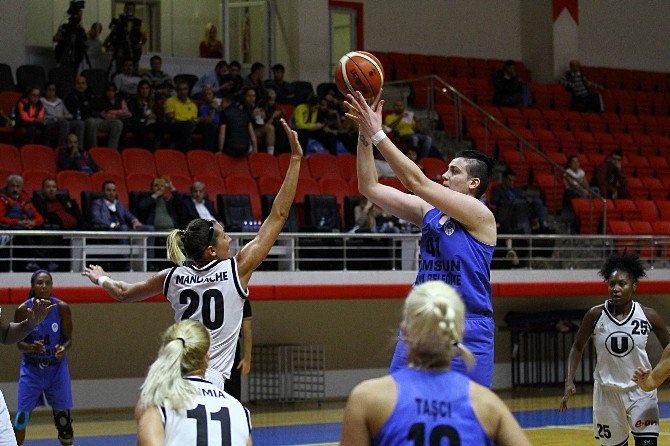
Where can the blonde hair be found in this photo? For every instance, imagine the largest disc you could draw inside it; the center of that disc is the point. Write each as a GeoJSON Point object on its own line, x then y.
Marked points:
{"type": "Point", "coordinates": [175, 247]}
{"type": "Point", "coordinates": [183, 352]}
{"type": "Point", "coordinates": [433, 326]}
{"type": "Point", "coordinates": [190, 244]}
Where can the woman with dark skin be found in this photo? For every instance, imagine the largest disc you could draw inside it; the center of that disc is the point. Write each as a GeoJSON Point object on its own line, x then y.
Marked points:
{"type": "Point", "coordinates": [44, 368]}
{"type": "Point", "coordinates": [620, 328]}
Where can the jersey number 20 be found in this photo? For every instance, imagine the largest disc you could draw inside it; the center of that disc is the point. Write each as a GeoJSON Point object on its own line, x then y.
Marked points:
{"type": "Point", "coordinates": [202, 421]}
{"type": "Point", "coordinates": [192, 298]}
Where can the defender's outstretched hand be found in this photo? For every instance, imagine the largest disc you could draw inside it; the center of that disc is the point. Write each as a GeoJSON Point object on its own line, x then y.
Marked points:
{"type": "Point", "coordinates": [296, 148]}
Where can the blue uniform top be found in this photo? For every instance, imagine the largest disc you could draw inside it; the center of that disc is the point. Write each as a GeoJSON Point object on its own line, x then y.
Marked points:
{"type": "Point", "coordinates": [451, 254]}
{"type": "Point", "coordinates": [49, 331]}
{"type": "Point", "coordinates": [431, 407]}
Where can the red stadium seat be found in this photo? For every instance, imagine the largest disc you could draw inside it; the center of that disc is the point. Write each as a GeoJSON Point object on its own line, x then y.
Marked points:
{"type": "Point", "coordinates": [641, 165]}
{"type": "Point", "coordinates": [108, 159]}
{"type": "Point", "coordinates": [232, 166]}
{"type": "Point", "coordinates": [552, 188]}
{"type": "Point", "coordinates": [214, 185]}
{"type": "Point", "coordinates": [433, 168]}
{"type": "Point", "coordinates": [337, 187]}
{"type": "Point", "coordinates": [170, 162]}
{"type": "Point", "coordinates": [646, 146]}
{"type": "Point", "coordinates": [323, 165]}
{"type": "Point", "coordinates": [10, 159]}
{"type": "Point", "coordinates": [32, 179]}
{"type": "Point", "coordinates": [139, 161]}
{"type": "Point", "coordinates": [535, 118]}
{"type": "Point", "coordinates": [632, 123]}
{"type": "Point", "coordinates": [245, 185]}
{"type": "Point", "coordinates": [663, 209]}
{"type": "Point", "coordinates": [589, 214]}
{"type": "Point", "coordinates": [606, 142]}
{"type": "Point", "coordinates": [38, 157]}
{"type": "Point", "coordinates": [647, 210]}
{"type": "Point", "coordinates": [662, 228]}
{"type": "Point", "coordinates": [202, 162]}
{"type": "Point", "coordinates": [139, 182]}
{"type": "Point", "coordinates": [269, 185]}
{"type": "Point", "coordinates": [353, 187]}
{"type": "Point", "coordinates": [660, 166]}
{"type": "Point", "coordinates": [555, 119]}
{"type": "Point", "coordinates": [181, 182]}
{"type": "Point", "coordinates": [637, 189]}
{"type": "Point", "coordinates": [75, 182]}
{"type": "Point", "coordinates": [285, 159]}
{"type": "Point", "coordinates": [263, 164]}
{"type": "Point", "coordinates": [613, 121]}
{"type": "Point", "coordinates": [306, 186]}
{"type": "Point", "coordinates": [575, 121]}
{"type": "Point", "coordinates": [626, 209]}
{"type": "Point", "coordinates": [651, 125]}
{"type": "Point", "coordinates": [643, 228]}
{"type": "Point", "coordinates": [655, 188]}
{"type": "Point", "coordinates": [595, 122]}
{"type": "Point", "coordinates": [347, 166]}
{"type": "Point", "coordinates": [587, 142]}
{"type": "Point", "coordinates": [394, 183]}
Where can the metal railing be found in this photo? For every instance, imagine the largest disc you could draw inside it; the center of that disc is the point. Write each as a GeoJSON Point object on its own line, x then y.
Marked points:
{"type": "Point", "coordinates": [144, 251]}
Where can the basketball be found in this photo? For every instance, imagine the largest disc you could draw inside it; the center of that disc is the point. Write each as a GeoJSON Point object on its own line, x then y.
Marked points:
{"type": "Point", "coordinates": [359, 71]}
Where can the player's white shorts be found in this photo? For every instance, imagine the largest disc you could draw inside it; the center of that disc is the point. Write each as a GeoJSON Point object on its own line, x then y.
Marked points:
{"type": "Point", "coordinates": [617, 412]}
{"type": "Point", "coordinates": [6, 432]}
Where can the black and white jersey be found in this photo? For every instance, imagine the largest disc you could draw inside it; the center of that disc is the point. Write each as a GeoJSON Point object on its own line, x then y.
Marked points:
{"type": "Point", "coordinates": [621, 347]}
{"type": "Point", "coordinates": [214, 296]}
{"type": "Point", "coordinates": [214, 418]}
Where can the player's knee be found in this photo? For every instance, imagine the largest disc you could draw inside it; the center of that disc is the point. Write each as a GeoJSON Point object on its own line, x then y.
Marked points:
{"type": "Point", "coordinates": [63, 423]}
{"type": "Point", "coordinates": [646, 441]}
{"type": "Point", "coordinates": [21, 420]}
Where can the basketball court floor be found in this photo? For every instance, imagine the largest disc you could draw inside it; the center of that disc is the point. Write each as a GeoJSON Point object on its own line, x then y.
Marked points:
{"type": "Point", "coordinates": [308, 424]}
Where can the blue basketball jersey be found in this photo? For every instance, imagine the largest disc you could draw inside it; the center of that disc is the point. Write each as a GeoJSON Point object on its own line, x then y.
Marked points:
{"type": "Point", "coordinates": [449, 253]}
{"type": "Point", "coordinates": [48, 331]}
{"type": "Point", "coordinates": [432, 408]}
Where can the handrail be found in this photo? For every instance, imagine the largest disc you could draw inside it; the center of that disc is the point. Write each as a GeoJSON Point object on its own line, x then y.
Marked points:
{"type": "Point", "coordinates": [523, 142]}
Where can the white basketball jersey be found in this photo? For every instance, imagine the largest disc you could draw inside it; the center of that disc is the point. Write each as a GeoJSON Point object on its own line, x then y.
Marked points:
{"type": "Point", "coordinates": [214, 296]}
{"type": "Point", "coordinates": [620, 347]}
{"type": "Point", "coordinates": [214, 419]}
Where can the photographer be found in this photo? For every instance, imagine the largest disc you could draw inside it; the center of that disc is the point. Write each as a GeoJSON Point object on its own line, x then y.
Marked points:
{"type": "Point", "coordinates": [71, 38]}
{"type": "Point", "coordinates": [126, 37]}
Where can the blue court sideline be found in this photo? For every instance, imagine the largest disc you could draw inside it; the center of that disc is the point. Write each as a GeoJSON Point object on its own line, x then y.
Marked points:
{"type": "Point", "coordinates": [302, 434]}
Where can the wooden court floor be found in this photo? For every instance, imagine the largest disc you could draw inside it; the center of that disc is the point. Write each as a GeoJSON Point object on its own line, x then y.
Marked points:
{"type": "Point", "coordinates": [537, 407]}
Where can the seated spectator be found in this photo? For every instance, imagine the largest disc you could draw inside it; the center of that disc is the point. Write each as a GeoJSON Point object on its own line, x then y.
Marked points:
{"type": "Point", "coordinates": [59, 117]}
{"type": "Point", "coordinates": [71, 157]}
{"type": "Point", "coordinates": [518, 211]}
{"type": "Point", "coordinates": [309, 124]}
{"type": "Point", "coordinates": [509, 91]}
{"type": "Point", "coordinates": [18, 212]}
{"type": "Point", "coordinates": [233, 77]}
{"type": "Point", "coordinates": [387, 223]}
{"type": "Point", "coordinates": [109, 213]}
{"type": "Point", "coordinates": [60, 211]}
{"type": "Point", "coordinates": [161, 82]}
{"type": "Point", "coordinates": [211, 47]}
{"type": "Point", "coordinates": [273, 116]}
{"type": "Point", "coordinates": [197, 205]}
{"type": "Point", "coordinates": [404, 125]}
{"type": "Point", "coordinates": [30, 116]}
{"type": "Point", "coordinates": [157, 209]}
{"type": "Point", "coordinates": [578, 85]}
{"type": "Point", "coordinates": [255, 80]}
{"type": "Point", "coordinates": [283, 89]}
{"type": "Point", "coordinates": [574, 180]}
{"type": "Point", "coordinates": [263, 124]}
{"type": "Point", "coordinates": [215, 80]}
{"type": "Point", "coordinates": [87, 106]}
{"type": "Point", "coordinates": [365, 216]}
{"type": "Point", "coordinates": [114, 107]}
{"type": "Point", "coordinates": [208, 118]}
{"type": "Point", "coordinates": [145, 115]}
{"type": "Point", "coordinates": [126, 81]}
{"type": "Point", "coordinates": [181, 117]}
{"type": "Point", "coordinates": [610, 177]}
{"type": "Point", "coordinates": [236, 132]}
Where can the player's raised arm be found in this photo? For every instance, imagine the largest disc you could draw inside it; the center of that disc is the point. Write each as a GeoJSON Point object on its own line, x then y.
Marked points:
{"type": "Point", "coordinates": [124, 291]}
{"type": "Point", "coordinates": [254, 252]}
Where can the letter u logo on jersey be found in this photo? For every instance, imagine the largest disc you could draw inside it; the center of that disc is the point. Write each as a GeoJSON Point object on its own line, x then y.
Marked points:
{"type": "Point", "coordinates": [449, 227]}
{"type": "Point", "coordinates": [619, 344]}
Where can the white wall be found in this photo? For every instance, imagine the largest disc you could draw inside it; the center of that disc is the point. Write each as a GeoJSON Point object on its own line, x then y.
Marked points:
{"type": "Point", "coordinates": [537, 46]}
{"type": "Point", "coordinates": [625, 34]}
{"type": "Point", "coordinates": [473, 28]}
{"type": "Point", "coordinates": [12, 33]}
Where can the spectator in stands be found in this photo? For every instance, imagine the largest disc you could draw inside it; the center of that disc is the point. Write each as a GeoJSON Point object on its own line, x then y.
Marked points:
{"type": "Point", "coordinates": [263, 124]}
{"type": "Point", "coordinates": [365, 216]}
{"type": "Point", "coordinates": [181, 116]}
{"type": "Point", "coordinates": [126, 37]}
{"type": "Point", "coordinates": [215, 80]}
{"type": "Point", "coordinates": [145, 118]}
{"type": "Point", "coordinates": [160, 82]}
{"type": "Point", "coordinates": [273, 116]}
{"type": "Point", "coordinates": [87, 106]}
{"type": "Point", "coordinates": [236, 132]}
{"type": "Point", "coordinates": [574, 180]}
{"type": "Point", "coordinates": [157, 209]}
{"type": "Point", "coordinates": [197, 205]}
{"type": "Point", "coordinates": [72, 157]}
{"type": "Point", "coordinates": [94, 50]}
{"type": "Point", "coordinates": [309, 125]}
{"type": "Point", "coordinates": [518, 211]}
{"type": "Point", "coordinates": [60, 211]}
{"type": "Point", "coordinates": [109, 213]}
{"type": "Point", "coordinates": [59, 117]}
{"type": "Point", "coordinates": [404, 126]}
{"type": "Point", "coordinates": [578, 85]}
{"type": "Point", "coordinates": [509, 91]}
{"type": "Point", "coordinates": [255, 80]}
{"type": "Point", "coordinates": [610, 177]}
{"type": "Point", "coordinates": [208, 118]}
{"type": "Point", "coordinates": [18, 212]}
{"type": "Point", "coordinates": [114, 107]}
{"type": "Point", "coordinates": [283, 89]}
{"type": "Point", "coordinates": [126, 81]}
{"type": "Point", "coordinates": [211, 47]}
{"type": "Point", "coordinates": [233, 77]}
{"type": "Point", "coordinates": [30, 115]}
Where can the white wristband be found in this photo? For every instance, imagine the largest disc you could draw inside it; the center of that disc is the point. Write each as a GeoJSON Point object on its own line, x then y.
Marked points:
{"type": "Point", "coordinates": [103, 279]}
{"type": "Point", "coordinates": [378, 137]}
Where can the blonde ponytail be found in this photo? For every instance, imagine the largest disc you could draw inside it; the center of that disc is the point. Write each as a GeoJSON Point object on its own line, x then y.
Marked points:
{"type": "Point", "coordinates": [175, 247]}
{"type": "Point", "coordinates": [183, 352]}
{"type": "Point", "coordinates": [433, 326]}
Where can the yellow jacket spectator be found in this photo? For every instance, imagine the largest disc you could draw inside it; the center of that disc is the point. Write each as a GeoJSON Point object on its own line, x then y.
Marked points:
{"type": "Point", "coordinates": [180, 110]}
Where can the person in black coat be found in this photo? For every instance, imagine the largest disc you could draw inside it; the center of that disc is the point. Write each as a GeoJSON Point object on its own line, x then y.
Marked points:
{"type": "Point", "coordinates": [158, 210]}
{"type": "Point", "coordinates": [197, 205]}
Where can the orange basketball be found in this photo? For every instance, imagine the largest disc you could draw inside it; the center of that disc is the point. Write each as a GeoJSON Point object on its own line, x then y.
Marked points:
{"type": "Point", "coordinates": [359, 71]}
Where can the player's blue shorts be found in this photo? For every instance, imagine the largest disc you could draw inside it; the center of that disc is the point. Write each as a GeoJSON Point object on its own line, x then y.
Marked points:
{"type": "Point", "coordinates": [478, 338]}
{"type": "Point", "coordinates": [50, 381]}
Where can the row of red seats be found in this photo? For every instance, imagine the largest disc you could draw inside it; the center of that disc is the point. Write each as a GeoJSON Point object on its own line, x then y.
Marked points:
{"type": "Point", "coordinates": [645, 248]}
{"type": "Point", "coordinates": [628, 79]}
{"type": "Point", "coordinates": [589, 212]}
